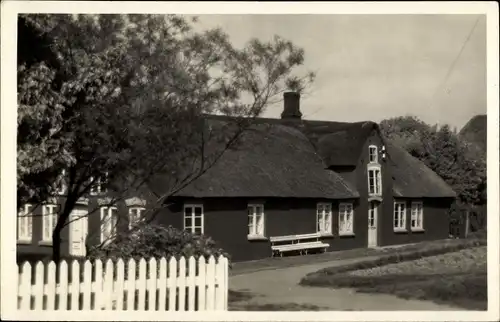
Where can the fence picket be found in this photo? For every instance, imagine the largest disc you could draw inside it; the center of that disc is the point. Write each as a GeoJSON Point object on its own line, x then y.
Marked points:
{"type": "Point", "coordinates": [172, 285]}
{"type": "Point", "coordinates": [162, 285]}
{"type": "Point", "coordinates": [97, 285]}
{"type": "Point", "coordinates": [25, 287]}
{"type": "Point", "coordinates": [210, 281]}
{"type": "Point", "coordinates": [108, 286]}
{"type": "Point", "coordinates": [87, 286]}
{"type": "Point", "coordinates": [220, 280]}
{"type": "Point", "coordinates": [50, 287]}
{"type": "Point", "coordinates": [75, 286]}
{"type": "Point", "coordinates": [63, 286]}
{"type": "Point", "coordinates": [38, 289]}
{"type": "Point", "coordinates": [131, 285]}
{"type": "Point", "coordinates": [181, 283]}
{"type": "Point", "coordinates": [202, 289]}
{"type": "Point", "coordinates": [120, 279]}
{"type": "Point", "coordinates": [191, 282]}
{"type": "Point", "coordinates": [152, 284]}
{"type": "Point", "coordinates": [141, 286]}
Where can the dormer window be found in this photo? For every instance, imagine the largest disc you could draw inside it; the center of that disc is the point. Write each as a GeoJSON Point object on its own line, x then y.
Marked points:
{"type": "Point", "coordinates": [373, 154]}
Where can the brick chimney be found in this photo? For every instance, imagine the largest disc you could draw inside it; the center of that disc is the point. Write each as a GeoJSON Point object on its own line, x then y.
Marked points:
{"type": "Point", "coordinates": [291, 108]}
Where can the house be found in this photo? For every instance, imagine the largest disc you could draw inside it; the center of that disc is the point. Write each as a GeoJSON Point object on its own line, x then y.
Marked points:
{"type": "Point", "coordinates": [294, 185]}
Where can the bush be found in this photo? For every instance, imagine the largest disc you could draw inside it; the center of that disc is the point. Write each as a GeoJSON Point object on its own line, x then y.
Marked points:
{"type": "Point", "coordinates": [149, 240]}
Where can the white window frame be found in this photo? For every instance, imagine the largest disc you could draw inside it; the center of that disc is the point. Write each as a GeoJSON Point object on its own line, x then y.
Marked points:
{"type": "Point", "coordinates": [374, 148]}
{"type": "Point", "coordinates": [96, 187]}
{"type": "Point", "coordinates": [108, 230]}
{"type": "Point", "coordinates": [377, 184]}
{"type": "Point", "coordinates": [25, 224]}
{"type": "Point", "coordinates": [61, 184]}
{"type": "Point", "coordinates": [344, 212]}
{"type": "Point", "coordinates": [134, 219]}
{"type": "Point", "coordinates": [49, 221]}
{"type": "Point", "coordinates": [417, 212]}
{"type": "Point", "coordinates": [324, 218]}
{"type": "Point", "coordinates": [401, 215]}
{"type": "Point", "coordinates": [256, 228]}
{"type": "Point", "coordinates": [193, 228]}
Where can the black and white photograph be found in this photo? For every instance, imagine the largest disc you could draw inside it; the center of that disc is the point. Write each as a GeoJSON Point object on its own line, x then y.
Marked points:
{"type": "Point", "coordinates": [177, 162]}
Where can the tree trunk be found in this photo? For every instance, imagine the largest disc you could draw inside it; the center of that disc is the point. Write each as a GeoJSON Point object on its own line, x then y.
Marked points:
{"type": "Point", "coordinates": [56, 245]}
{"type": "Point", "coordinates": [56, 234]}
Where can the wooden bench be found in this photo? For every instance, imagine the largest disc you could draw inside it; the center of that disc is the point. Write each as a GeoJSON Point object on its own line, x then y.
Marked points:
{"type": "Point", "coordinates": [302, 243]}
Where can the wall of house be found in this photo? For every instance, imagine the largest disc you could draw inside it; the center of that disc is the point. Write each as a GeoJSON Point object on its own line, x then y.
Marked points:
{"type": "Point", "coordinates": [435, 223]}
{"type": "Point", "coordinates": [226, 222]}
{"type": "Point", "coordinates": [38, 249]}
{"type": "Point", "coordinates": [358, 175]}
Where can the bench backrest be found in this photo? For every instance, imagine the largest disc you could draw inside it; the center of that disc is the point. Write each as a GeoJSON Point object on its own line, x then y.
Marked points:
{"type": "Point", "coordinates": [294, 237]}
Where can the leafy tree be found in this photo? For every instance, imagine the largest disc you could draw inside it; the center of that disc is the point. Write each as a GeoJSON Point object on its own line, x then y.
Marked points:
{"type": "Point", "coordinates": [122, 97]}
{"type": "Point", "coordinates": [443, 151]}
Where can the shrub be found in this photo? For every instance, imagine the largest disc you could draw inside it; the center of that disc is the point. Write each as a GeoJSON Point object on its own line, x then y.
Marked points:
{"type": "Point", "coordinates": [150, 240]}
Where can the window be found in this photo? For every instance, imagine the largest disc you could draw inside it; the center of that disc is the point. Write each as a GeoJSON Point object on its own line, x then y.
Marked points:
{"type": "Point", "coordinates": [49, 221]}
{"type": "Point", "coordinates": [193, 218]}
{"type": "Point", "coordinates": [25, 224]}
{"type": "Point", "coordinates": [256, 220]}
{"type": "Point", "coordinates": [374, 181]}
{"type": "Point", "coordinates": [61, 183]}
{"type": "Point", "coordinates": [134, 215]}
{"type": "Point", "coordinates": [373, 154]}
{"type": "Point", "coordinates": [99, 185]}
{"type": "Point", "coordinates": [324, 218]}
{"type": "Point", "coordinates": [109, 221]}
{"type": "Point", "coordinates": [399, 216]}
{"type": "Point", "coordinates": [417, 216]}
{"type": "Point", "coordinates": [346, 219]}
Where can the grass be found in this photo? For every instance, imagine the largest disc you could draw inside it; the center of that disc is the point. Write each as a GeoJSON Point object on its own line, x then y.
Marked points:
{"type": "Point", "coordinates": [284, 262]}
{"type": "Point", "coordinates": [455, 278]}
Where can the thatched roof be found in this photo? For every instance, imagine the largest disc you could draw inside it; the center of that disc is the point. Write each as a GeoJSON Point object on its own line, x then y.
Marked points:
{"type": "Point", "coordinates": [270, 160]}
{"type": "Point", "coordinates": [289, 158]}
{"type": "Point", "coordinates": [413, 179]}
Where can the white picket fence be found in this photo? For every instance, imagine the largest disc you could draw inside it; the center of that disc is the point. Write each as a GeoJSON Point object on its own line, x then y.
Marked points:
{"type": "Point", "coordinates": [156, 285]}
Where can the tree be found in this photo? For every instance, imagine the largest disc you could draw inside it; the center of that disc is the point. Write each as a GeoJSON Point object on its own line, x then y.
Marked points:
{"type": "Point", "coordinates": [123, 97]}
{"type": "Point", "coordinates": [442, 150]}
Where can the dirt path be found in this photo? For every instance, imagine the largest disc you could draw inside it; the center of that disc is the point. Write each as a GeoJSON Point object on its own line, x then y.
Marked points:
{"type": "Point", "coordinates": [279, 290]}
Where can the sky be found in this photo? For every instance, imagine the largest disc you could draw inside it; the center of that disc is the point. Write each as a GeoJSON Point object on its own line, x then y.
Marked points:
{"type": "Point", "coordinates": [373, 67]}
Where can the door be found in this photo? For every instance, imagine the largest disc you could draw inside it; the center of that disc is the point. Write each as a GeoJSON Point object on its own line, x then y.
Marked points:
{"type": "Point", "coordinates": [78, 232]}
{"type": "Point", "coordinates": [372, 224]}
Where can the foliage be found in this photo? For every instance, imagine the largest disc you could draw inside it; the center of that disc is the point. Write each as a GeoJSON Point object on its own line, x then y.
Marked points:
{"type": "Point", "coordinates": [441, 149]}
{"type": "Point", "coordinates": [150, 240]}
{"type": "Point", "coordinates": [124, 96]}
